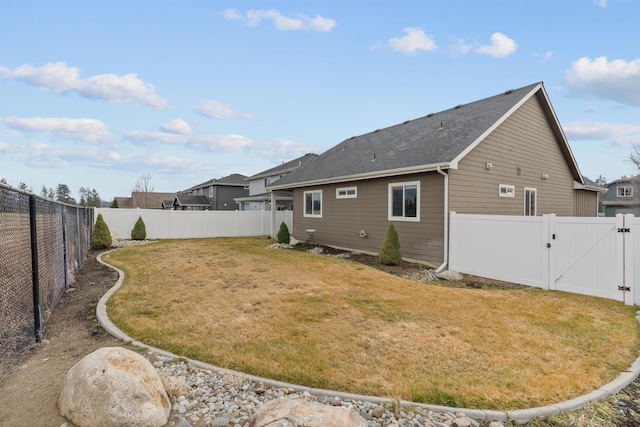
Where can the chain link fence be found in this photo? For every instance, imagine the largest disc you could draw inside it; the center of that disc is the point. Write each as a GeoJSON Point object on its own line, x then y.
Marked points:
{"type": "Point", "coordinates": [42, 245]}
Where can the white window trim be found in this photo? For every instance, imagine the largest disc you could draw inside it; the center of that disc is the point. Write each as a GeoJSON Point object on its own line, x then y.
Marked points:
{"type": "Point", "coordinates": [346, 190]}
{"type": "Point", "coordinates": [304, 204]}
{"type": "Point", "coordinates": [624, 188]}
{"type": "Point", "coordinates": [535, 208]}
{"type": "Point", "coordinates": [390, 201]}
{"type": "Point", "coordinates": [510, 190]}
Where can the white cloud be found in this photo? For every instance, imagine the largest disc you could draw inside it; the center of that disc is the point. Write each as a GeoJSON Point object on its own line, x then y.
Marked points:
{"type": "Point", "coordinates": [146, 138]}
{"type": "Point", "coordinates": [107, 87]}
{"type": "Point", "coordinates": [459, 46]}
{"type": "Point", "coordinates": [547, 56]}
{"type": "Point", "coordinates": [616, 80]}
{"type": "Point", "coordinates": [85, 130]}
{"type": "Point", "coordinates": [199, 142]}
{"type": "Point", "coordinates": [217, 110]}
{"type": "Point", "coordinates": [253, 18]}
{"type": "Point", "coordinates": [177, 126]}
{"type": "Point", "coordinates": [500, 47]}
{"type": "Point", "coordinates": [414, 40]}
{"type": "Point", "coordinates": [40, 155]}
{"type": "Point", "coordinates": [601, 3]}
{"type": "Point", "coordinates": [617, 135]}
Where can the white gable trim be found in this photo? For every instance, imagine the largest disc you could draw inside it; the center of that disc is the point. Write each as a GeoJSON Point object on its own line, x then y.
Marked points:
{"type": "Point", "coordinates": [474, 144]}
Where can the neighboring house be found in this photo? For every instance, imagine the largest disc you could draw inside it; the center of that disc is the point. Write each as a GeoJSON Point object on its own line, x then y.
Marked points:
{"type": "Point", "coordinates": [623, 197]}
{"type": "Point", "coordinates": [144, 200]}
{"type": "Point", "coordinates": [259, 199]}
{"type": "Point", "coordinates": [215, 194]}
{"type": "Point", "coordinates": [506, 155]}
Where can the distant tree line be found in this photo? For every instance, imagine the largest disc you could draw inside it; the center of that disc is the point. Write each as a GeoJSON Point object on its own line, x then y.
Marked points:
{"type": "Point", "coordinates": [89, 197]}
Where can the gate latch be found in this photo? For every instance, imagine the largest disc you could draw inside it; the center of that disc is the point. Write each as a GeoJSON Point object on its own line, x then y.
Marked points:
{"type": "Point", "coordinates": [624, 288]}
{"type": "Point", "coordinates": [624, 230]}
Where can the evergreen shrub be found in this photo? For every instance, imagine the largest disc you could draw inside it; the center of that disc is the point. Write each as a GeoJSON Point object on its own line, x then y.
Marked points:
{"type": "Point", "coordinates": [139, 231]}
{"type": "Point", "coordinates": [101, 236]}
{"type": "Point", "coordinates": [390, 251]}
{"type": "Point", "coordinates": [283, 234]}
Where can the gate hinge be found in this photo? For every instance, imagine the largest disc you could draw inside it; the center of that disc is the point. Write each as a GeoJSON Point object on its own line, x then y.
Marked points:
{"type": "Point", "coordinates": [624, 230]}
{"type": "Point", "coordinates": [624, 288]}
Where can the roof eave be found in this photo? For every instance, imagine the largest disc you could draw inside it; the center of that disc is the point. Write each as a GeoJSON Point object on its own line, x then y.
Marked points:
{"type": "Point", "coordinates": [580, 186]}
{"type": "Point", "coordinates": [363, 176]}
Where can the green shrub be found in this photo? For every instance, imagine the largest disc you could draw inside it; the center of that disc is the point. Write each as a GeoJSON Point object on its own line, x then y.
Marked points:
{"type": "Point", "coordinates": [390, 252]}
{"type": "Point", "coordinates": [139, 231]}
{"type": "Point", "coordinates": [114, 204]}
{"type": "Point", "coordinates": [283, 234]}
{"type": "Point", "coordinates": [101, 236]}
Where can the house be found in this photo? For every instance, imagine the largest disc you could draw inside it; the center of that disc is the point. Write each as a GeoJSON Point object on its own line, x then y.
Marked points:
{"type": "Point", "coordinates": [215, 194]}
{"type": "Point", "coordinates": [506, 154]}
{"type": "Point", "coordinates": [259, 199]}
{"type": "Point", "coordinates": [623, 197]}
{"type": "Point", "coordinates": [144, 200]}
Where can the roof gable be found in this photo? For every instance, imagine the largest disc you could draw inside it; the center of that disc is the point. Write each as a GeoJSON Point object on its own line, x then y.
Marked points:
{"type": "Point", "coordinates": [234, 179]}
{"type": "Point", "coordinates": [284, 167]}
{"type": "Point", "coordinates": [436, 140]}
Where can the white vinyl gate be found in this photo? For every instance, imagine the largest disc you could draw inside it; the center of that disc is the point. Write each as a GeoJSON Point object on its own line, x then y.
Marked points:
{"type": "Point", "coordinates": [588, 255]}
{"type": "Point", "coordinates": [591, 256]}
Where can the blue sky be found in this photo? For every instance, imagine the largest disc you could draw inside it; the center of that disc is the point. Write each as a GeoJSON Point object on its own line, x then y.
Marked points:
{"type": "Point", "coordinates": [97, 93]}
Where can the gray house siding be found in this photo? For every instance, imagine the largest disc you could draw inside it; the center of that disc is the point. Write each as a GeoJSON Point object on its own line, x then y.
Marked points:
{"type": "Point", "coordinates": [224, 196]}
{"type": "Point", "coordinates": [586, 203]}
{"type": "Point", "coordinates": [342, 219]}
{"type": "Point", "coordinates": [520, 150]}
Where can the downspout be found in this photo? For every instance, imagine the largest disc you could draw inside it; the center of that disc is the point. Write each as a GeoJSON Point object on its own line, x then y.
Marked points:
{"type": "Point", "coordinates": [446, 219]}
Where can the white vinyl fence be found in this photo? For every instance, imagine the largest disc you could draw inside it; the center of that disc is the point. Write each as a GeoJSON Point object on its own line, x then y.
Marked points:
{"type": "Point", "coordinates": [591, 256]}
{"type": "Point", "coordinates": [174, 224]}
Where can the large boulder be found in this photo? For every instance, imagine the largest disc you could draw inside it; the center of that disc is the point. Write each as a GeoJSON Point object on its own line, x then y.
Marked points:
{"type": "Point", "coordinates": [114, 387]}
{"type": "Point", "coordinates": [294, 412]}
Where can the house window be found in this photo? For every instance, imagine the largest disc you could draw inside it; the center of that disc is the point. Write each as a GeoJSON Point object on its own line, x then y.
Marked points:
{"type": "Point", "coordinates": [530, 205]}
{"type": "Point", "coordinates": [404, 201]}
{"type": "Point", "coordinates": [313, 204]}
{"type": "Point", "coordinates": [626, 191]}
{"type": "Point", "coordinates": [507, 190]}
{"type": "Point", "coordinates": [211, 191]}
{"type": "Point", "coordinates": [347, 193]}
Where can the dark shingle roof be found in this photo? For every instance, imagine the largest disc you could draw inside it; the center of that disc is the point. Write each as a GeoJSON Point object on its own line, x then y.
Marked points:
{"type": "Point", "coordinates": [285, 167]}
{"type": "Point", "coordinates": [234, 179]}
{"type": "Point", "coordinates": [186, 200]}
{"type": "Point", "coordinates": [432, 140]}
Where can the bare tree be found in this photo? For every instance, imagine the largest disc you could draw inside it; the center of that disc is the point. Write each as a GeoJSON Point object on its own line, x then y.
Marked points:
{"type": "Point", "coordinates": [141, 189]}
{"type": "Point", "coordinates": [634, 159]}
{"type": "Point", "coordinates": [143, 184]}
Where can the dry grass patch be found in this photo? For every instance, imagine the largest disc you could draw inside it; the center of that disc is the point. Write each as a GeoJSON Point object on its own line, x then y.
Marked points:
{"type": "Point", "coordinates": [336, 324]}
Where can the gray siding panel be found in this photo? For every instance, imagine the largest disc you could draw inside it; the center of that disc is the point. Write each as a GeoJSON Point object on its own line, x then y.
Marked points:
{"type": "Point", "coordinates": [520, 150]}
{"type": "Point", "coordinates": [586, 203]}
{"type": "Point", "coordinates": [343, 218]}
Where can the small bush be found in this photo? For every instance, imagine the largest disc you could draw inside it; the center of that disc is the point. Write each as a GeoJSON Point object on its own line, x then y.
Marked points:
{"type": "Point", "coordinates": [139, 231]}
{"type": "Point", "coordinates": [101, 236]}
{"type": "Point", "coordinates": [114, 204]}
{"type": "Point", "coordinates": [390, 252]}
{"type": "Point", "coordinates": [283, 234]}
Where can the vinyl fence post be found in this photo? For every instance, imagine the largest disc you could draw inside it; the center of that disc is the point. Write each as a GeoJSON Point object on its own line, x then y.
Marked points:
{"type": "Point", "coordinates": [37, 310]}
{"type": "Point", "coordinates": [628, 259]}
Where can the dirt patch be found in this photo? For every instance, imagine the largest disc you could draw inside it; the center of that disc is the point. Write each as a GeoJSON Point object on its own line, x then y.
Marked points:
{"type": "Point", "coordinates": [408, 270]}
{"type": "Point", "coordinates": [28, 397]}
